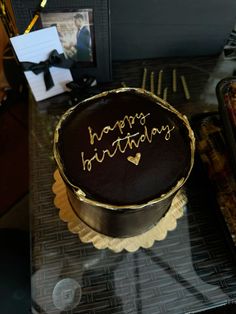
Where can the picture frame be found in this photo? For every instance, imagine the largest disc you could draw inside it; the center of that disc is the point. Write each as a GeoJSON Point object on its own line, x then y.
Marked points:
{"type": "Point", "coordinates": [95, 14]}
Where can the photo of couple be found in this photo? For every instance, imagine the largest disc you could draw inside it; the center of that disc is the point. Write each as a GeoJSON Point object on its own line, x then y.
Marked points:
{"type": "Point", "coordinates": [74, 29]}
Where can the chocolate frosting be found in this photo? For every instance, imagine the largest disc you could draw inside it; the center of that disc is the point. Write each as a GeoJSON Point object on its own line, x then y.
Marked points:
{"type": "Point", "coordinates": [91, 128]}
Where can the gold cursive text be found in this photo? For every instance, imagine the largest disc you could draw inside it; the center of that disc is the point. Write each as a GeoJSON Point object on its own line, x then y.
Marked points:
{"type": "Point", "coordinates": [121, 144]}
{"type": "Point", "coordinates": [120, 124]}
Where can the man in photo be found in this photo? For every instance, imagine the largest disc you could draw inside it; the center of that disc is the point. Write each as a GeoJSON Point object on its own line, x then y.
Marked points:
{"type": "Point", "coordinates": [83, 39]}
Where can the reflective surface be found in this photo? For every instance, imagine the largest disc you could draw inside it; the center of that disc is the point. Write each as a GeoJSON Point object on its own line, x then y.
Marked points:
{"type": "Point", "coordinates": [191, 270]}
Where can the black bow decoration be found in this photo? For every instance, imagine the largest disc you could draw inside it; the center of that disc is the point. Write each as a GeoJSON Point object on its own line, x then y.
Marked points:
{"type": "Point", "coordinates": [55, 60]}
{"type": "Point", "coordinates": [85, 87]}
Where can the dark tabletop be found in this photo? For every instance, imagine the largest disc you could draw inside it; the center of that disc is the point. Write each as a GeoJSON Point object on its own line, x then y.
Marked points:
{"type": "Point", "coordinates": [192, 270]}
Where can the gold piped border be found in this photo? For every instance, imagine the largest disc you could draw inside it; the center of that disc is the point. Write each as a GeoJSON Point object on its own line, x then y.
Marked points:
{"type": "Point", "coordinates": [80, 193]}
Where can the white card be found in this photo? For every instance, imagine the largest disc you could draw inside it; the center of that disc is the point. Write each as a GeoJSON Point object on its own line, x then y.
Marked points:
{"type": "Point", "coordinates": [35, 47]}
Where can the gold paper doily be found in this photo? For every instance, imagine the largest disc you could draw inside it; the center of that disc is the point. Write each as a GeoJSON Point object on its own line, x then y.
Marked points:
{"type": "Point", "coordinates": [100, 241]}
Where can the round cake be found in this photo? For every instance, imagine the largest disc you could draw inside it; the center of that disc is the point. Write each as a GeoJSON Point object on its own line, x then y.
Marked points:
{"type": "Point", "coordinates": [123, 155]}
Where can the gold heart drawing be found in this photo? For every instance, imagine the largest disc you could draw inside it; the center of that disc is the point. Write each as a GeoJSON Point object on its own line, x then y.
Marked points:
{"type": "Point", "coordinates": [135, 160]}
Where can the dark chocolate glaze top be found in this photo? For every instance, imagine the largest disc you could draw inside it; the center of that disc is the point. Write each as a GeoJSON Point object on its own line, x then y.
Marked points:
{"type": "Point", "coordinates": [116, 180]}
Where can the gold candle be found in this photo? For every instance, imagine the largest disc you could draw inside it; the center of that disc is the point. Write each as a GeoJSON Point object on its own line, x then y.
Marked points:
{"type": "Point", "coordinates": [159, 83]}
{"type": "Point", "coordinates": [144, 78]}
{"type": "Point", "coordinates": [185, 87]}
{"type": "Point", "coordinates": [165, 94]}
{"type": "Point", "coordinates": [174, 85]}
{"type": "Point", "coordinates": [152, 82]}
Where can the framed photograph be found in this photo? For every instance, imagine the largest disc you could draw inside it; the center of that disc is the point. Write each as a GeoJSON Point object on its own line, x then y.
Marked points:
{"type": "Point", "coordinates": [83, 27]}
{"type": "Point", "coordinates": [76, 32]}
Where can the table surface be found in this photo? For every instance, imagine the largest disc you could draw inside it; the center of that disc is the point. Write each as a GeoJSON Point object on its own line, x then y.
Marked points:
{"type": "Point", "coordinates": [191, 270]}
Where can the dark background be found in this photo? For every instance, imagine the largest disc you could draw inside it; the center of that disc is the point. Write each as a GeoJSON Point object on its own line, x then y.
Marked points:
{"type": "Point", "coordinates": [161, 28]}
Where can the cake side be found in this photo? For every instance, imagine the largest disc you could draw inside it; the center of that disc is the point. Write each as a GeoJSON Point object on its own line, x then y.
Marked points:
{"type": "Point", "coordinates": [119, 223]}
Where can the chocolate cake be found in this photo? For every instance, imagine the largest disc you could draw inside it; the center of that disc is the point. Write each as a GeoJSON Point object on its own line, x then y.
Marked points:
{"type": "Point", "coordinates": [123, 155]}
